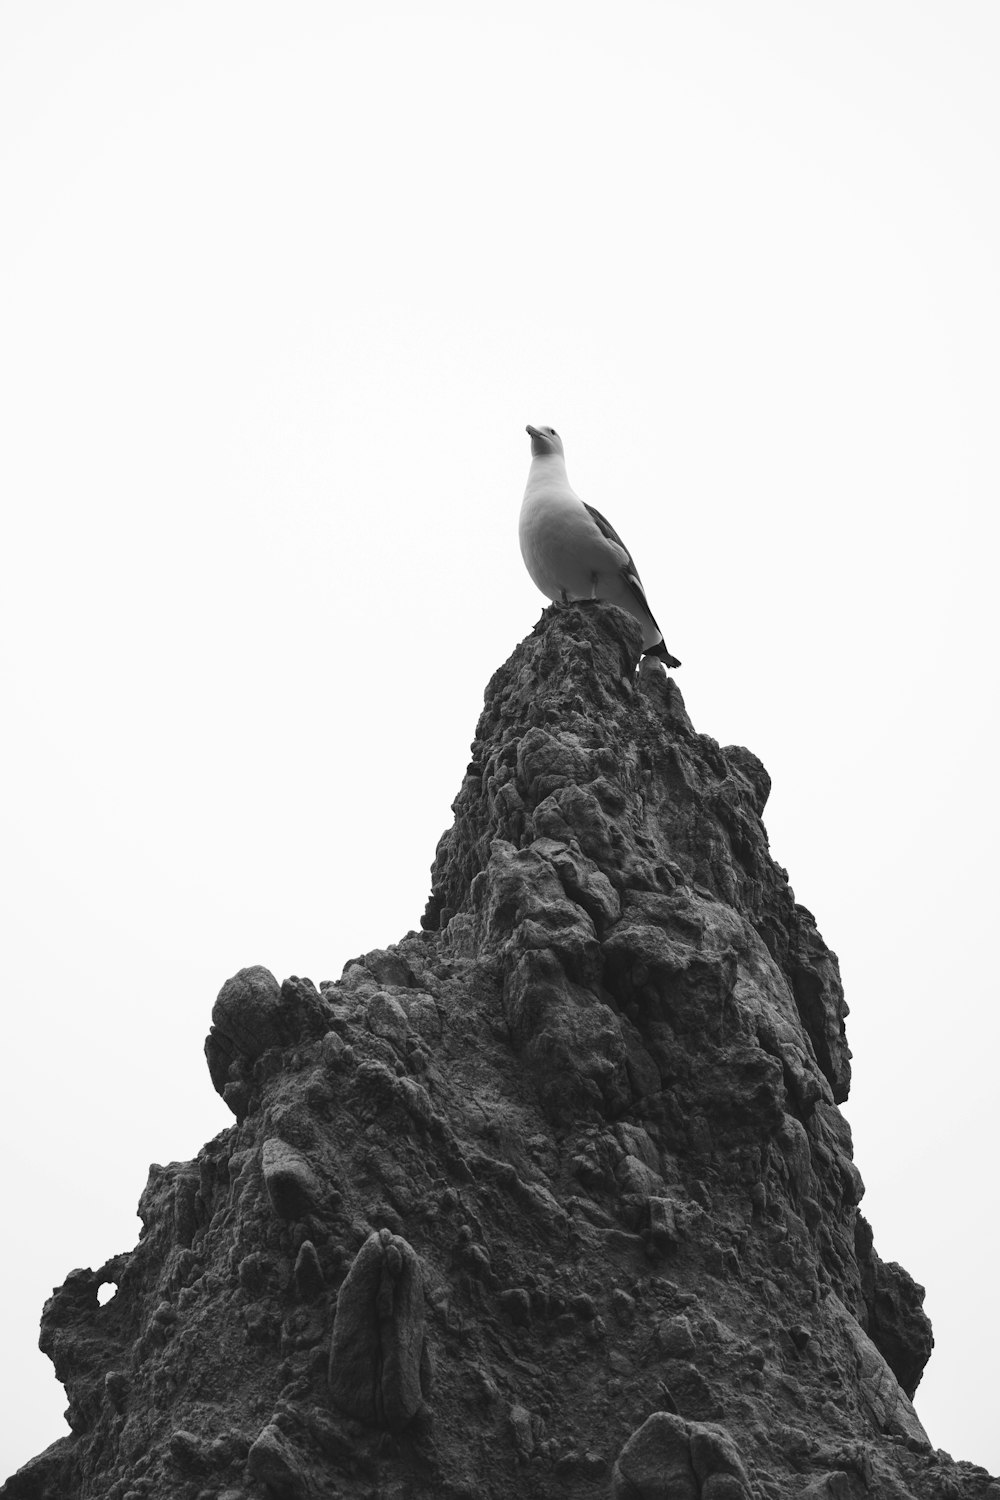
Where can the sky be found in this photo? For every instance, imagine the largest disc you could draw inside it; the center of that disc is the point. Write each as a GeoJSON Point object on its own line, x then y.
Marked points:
{"type": "Point", "coordinates": [280, 286]}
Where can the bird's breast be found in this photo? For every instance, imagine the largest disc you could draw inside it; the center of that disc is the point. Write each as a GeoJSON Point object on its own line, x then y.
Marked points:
{"type": "Point", "coordinates": [559, 542]}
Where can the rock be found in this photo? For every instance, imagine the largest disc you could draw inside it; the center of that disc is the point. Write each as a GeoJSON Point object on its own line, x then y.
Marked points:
{"type": "Point", "coordinates": [897, 1324]}
{"type": "Point", "coordinates": [516, 1303]}
{"type": "Point", "coordinates": [377, 1357]}
{"type": "Point", "coordinates": [292, 1185]}
{"type": "Point", "coordinates": [663, 1230]}
{"type": "Point", "coordinates": [724, 1487]}
{"type": "Point", "coordinates": [582, 881]}
{"type": "Point", "coordinates": [520, 1423]}
{"type": "Point", "coordinates": [253, 1014]}
{"type": "Point", "coordinates": [834, 1486]}
{"type": "Point", "coordinates": [188, 1452]}
{"type": "Point", "coordinates": [272, 1461]}
{"type": "Point", "coordinates": [624, 1305]}
{"type": "Point", "coordinates": [308, 1273]}
{"type": "Point", "coordinates": [41, 1478]}
{"type": "Point", "coordinates": [668, 1458]}
{"type": "Point", "coordinates": [881, 1393]}
{"type": "Point", "coordinates": [714, 1455]}
{"type": "Point", "coordinates": [386, 1017]}
{"type": "Point", "coordinates": [675, 1337]}
{"type": "Point", "coordinates": [690, 1390]}
{"type": "Point", "coordinates": [579, 1136]}
{"type": "Point", "coordinates": [655, 1463]}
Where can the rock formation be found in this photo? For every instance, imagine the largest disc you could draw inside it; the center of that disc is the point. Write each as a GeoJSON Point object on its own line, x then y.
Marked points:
{"type": "Point", "coordinates": [551, 1198]}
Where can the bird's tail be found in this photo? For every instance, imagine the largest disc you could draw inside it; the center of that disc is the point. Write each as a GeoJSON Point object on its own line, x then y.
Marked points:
{"type": "Point", "coordinates": [662, 654]}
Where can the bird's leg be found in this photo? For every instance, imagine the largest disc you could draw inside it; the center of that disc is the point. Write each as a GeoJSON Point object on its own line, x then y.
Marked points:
{"type": "Point", "coordinates": [565, 596]}
{"type": "Point", "coordinates": [593, 585]}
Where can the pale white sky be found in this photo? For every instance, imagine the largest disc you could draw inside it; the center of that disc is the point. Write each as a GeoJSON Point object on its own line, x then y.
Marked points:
{"type": "Point", "coordinates": [280, 286]}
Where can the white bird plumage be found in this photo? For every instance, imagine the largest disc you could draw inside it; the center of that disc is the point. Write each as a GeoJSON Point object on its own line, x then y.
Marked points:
{"type": "Point", "coordinates": [571, 551]}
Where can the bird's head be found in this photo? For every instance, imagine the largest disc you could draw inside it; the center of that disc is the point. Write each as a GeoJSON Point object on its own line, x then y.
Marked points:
{"type": "Point", "coordinates": [544, 440]}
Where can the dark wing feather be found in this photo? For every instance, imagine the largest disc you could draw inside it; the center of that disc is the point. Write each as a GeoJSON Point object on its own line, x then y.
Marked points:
{"type": "Point", "coordinates": [609, 531]}
{"type": "Point", "coordinates": [629, 570]}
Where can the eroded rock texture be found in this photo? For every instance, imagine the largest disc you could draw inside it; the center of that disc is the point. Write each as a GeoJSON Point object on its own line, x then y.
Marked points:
{"type": "Point", "coordinates": [551, 1198]}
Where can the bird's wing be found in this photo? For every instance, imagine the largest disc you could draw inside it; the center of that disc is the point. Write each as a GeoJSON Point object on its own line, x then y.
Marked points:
{"type": "Point", "coordinates": [629, 570]}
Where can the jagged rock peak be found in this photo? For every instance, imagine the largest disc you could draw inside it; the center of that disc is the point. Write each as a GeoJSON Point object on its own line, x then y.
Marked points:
{"type": "Point", "coordinates": [595, 776]}
{"type": "Point", "coordinates": [551, 1198]}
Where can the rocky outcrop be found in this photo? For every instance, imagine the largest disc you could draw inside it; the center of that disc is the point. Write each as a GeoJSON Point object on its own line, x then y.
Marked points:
{"type": "Point", "coordinates": [553, 1197]}
{"type": "Point", "coordinates": [379, 1367]}
{"type": "Point", "coordinates": [670, 1459]}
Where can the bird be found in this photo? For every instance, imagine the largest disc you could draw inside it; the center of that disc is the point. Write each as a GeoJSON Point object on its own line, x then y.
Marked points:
{"type": "Point", "coordinates": [571, 551]}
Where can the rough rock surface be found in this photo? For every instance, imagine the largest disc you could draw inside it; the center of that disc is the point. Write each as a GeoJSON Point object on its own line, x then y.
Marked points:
{"type": "Point", "coordinates": [551, 1198]}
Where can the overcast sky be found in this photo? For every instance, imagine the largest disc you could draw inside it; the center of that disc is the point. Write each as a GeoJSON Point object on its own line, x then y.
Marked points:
{"type": "Point", "coordinates": [280, 286]}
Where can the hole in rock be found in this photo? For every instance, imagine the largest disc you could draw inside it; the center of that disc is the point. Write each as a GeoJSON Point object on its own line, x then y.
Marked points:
{"type": "Point", "coordinates": [106, 1292]}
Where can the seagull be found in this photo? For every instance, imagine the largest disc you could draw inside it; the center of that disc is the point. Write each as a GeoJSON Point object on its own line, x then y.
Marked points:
{"type": "Point", "coordinates": [569, 548]}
